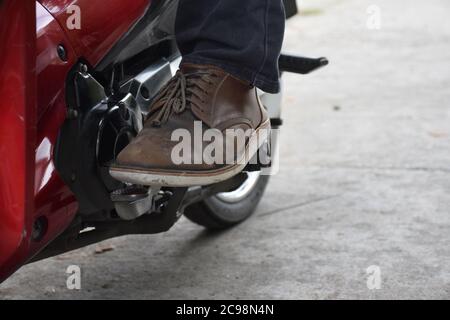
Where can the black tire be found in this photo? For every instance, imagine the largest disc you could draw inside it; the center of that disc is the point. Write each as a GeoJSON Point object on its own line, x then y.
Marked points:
{"type": "Point", "coordinates": [216, 214]}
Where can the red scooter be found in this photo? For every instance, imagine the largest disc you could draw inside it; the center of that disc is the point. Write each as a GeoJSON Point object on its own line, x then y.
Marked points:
{"type": "Point", "coordinates": [76, 78]}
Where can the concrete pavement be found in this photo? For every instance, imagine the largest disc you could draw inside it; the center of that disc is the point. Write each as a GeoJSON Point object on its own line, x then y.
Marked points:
{"type": "Point", "coordinates": [364, 181]}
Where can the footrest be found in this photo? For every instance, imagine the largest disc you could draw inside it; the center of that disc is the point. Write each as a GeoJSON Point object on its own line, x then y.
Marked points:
{"type": "Point", "coordinates": [301, 65]}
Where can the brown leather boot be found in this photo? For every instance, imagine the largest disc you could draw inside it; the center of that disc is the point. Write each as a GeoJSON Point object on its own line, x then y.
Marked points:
{"type": "Point", "coordinates": [198, 98]}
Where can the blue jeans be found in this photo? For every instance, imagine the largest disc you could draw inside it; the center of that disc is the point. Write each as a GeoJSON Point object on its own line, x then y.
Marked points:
{"type": "Point", "coordinates": [243, 37]}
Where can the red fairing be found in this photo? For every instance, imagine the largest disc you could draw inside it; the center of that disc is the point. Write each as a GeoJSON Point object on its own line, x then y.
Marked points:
{"type": "Point", "coordinates": [47, 196]}
{"type": "Point", "coordinates": [30, 187]}
{"type": "Point", "coordinates": [17, 129]}
{"type": "Point", "coordinates": [53, 199]}
{"type": "Point", "coordinates": [101, 23]}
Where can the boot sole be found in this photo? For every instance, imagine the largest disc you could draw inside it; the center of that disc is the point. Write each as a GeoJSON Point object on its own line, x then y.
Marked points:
{"type": "Point", "coordinates": [190, 178]}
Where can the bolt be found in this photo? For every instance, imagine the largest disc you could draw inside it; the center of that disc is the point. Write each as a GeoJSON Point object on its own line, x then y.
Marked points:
{"type": "Point", "coordinates": [83, 68]}
{"type": "Point", "coordinates": [39, 229]}
{"type": "Point", "coordinates": [72, 114]}
{"type": "Point", "coordinates": [124, 111]}
{"type": "Point", "coordinates": [61, 52]}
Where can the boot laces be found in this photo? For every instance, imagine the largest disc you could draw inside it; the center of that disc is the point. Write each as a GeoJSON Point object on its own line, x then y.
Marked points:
{"type": "Point", "coordinates": [179, 95]}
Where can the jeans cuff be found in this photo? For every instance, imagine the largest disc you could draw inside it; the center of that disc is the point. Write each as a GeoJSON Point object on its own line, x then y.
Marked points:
{"type": "Point", "coordinates": [258, 80]}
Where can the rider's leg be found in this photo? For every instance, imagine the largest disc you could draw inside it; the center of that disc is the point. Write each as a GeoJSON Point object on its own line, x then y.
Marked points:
{"type": "Point", "coordinates": [243, 37]}
{"type": "Point", "coordinates": [229, 47]}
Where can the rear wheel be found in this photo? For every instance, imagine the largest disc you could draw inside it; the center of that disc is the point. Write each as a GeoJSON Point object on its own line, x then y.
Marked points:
{"type": "Point", "coordinates": [225, 210]}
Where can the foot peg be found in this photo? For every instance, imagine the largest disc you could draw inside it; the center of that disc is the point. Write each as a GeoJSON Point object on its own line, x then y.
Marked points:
{"type": "Point", "coordinates": [133, 201]}
{"type": "Point", "coordinates": [302, 65]}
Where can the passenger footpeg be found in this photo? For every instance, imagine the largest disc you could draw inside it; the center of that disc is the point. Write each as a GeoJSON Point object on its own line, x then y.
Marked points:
{"type": "Point", "coordinates": [302, 65]}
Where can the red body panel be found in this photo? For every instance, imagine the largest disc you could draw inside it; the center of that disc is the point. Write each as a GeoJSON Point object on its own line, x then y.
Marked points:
{"type": "Point", "coordinates": [53, 199]}
{"type": "Point", "coordinates": [17, 129]}
{"type": "Point", "coordinates": [30, 186]}
{"type": "Point", "coordinates": [102, 23]}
